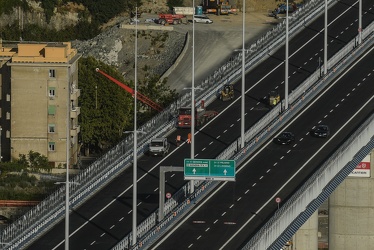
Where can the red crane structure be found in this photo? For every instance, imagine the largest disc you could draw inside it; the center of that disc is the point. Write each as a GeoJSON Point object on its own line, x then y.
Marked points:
{"type": "Point", "coordinates": [139, 96]}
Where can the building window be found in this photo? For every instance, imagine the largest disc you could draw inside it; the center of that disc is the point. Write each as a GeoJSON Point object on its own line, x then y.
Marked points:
{"type": "Point", "coordinates": [51, 92]}
{"type": "Point", "coordinates": [51, 146]}
{"type": "Point", "coordinates": [52, 73]}
{"type": "Point", "coordinates": [51, 110]}
{"type": "Point", "coordinates": [51, 128]}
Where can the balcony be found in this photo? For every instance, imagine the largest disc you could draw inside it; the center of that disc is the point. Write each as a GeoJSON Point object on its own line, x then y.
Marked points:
{"type": "Point", "coordinates": [75, 93]}
{"type": "Point", "coordinates": [75, 112]}
{"type": "Point", "coordinates": [74, 131]}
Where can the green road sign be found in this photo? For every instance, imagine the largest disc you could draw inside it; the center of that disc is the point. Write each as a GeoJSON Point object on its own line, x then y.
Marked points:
{"type": "Point", "coordinates": [202, 169]}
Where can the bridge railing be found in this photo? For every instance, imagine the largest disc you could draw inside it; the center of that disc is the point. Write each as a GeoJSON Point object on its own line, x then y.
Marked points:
{"type": "Point", "coordinates": [85, 184]}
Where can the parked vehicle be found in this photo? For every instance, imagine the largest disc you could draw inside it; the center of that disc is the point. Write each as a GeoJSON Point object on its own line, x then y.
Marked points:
{"type": "Point", "coordinates": [285, 138]}
{"type": "Point", "coordinates": [321, 131]}
{"type": "Point", "coordinates": [170, 19]}
{"type": "Point", "coordinates": [202, 19]}
{"type": "Point", "coordinates": [159, 147]}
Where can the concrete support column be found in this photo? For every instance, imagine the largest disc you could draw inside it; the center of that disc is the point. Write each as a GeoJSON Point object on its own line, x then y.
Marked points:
{"type": "Point", "coordinates": [351, 214]}
{"type": "Point", "coordinates": [306, 238]}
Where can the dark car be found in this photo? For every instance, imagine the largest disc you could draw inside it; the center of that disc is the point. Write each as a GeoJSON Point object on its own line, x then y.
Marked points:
{"type": "Point", "coordinates": [321, 131]}
{"type": "Point", "coordinates": [284, 138]}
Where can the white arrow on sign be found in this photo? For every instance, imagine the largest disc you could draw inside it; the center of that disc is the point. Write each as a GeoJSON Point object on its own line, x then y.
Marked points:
{"type": "Point", "coordinates": [225, 172]}
{"type": "Point", "coordinates": [194, 171]}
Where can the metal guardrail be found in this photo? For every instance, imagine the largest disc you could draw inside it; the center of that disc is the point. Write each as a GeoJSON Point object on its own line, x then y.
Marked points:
{"type": "Point", "coordinates": [51, 210]}
{"type": "Point", "coordinates": [262, 131]}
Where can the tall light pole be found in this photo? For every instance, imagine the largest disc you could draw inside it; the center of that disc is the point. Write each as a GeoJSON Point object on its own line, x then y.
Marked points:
{"type": "Point", "coordinates": [192, 182]}
{"type": "Point", "coordinates": [243, 82]}
{"type": "Point", "coordinates": [360, 22]}
{"type": "Point", "coordinates": [325, 42]}
{"type": "Point", "coordinates": [67, 186]}
{"type": "Point", "coordinates": [135, 160]}
{"type": "Point", "coordinates": [286, 64]}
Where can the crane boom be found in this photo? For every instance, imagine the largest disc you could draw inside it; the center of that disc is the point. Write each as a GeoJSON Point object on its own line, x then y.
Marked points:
{"type": "Point", "coordinates": [139, 96]}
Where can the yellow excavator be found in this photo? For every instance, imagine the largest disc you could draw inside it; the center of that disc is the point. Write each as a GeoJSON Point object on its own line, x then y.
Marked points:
{"type": "Point", "coordinates": [227, 92]}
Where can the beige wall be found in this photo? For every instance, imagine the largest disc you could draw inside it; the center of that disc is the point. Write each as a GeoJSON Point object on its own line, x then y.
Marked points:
{"type": "Point", "coordinates": [351, 214]}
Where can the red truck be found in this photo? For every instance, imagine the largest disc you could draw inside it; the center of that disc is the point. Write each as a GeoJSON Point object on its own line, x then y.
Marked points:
{"type": "Point", "coordinates": [170, 18]}
{"type": "Point", "coordinates": [201, 117]}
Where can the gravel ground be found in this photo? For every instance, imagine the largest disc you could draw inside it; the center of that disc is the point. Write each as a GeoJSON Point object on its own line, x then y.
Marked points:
{"type": "Point", "coordinates": [160, 52]}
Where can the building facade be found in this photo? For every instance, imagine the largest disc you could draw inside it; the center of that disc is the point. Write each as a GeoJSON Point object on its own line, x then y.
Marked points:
{"type": "Point", "coordinates": [39, 101]}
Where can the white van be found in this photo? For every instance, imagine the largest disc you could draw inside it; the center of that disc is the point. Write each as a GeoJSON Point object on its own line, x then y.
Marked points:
{"type": "Point", "coordinates": [202, 19]}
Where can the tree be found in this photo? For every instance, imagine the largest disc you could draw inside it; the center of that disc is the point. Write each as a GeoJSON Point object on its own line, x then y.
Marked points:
{"type": "Point", "coordinates": [105, 107]}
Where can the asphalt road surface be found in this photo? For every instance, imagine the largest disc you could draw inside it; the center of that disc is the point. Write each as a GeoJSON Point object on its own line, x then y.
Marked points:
{"type": "Point", "coordinates": [106, 218]}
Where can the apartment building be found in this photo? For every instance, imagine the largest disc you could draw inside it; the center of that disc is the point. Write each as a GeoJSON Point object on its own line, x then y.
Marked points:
{"type": "Point", "coordinates": [39, 101]}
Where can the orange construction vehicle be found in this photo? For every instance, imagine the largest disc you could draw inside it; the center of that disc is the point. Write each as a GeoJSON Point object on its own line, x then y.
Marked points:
{"type": "Point", "coordinates": [170, 19]}
{"type": "Point", "coordinates": [139, 96]}
{"type": "Point", "coordinates": [201, 117]}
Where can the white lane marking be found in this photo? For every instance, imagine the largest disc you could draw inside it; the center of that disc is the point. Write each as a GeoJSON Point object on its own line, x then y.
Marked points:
{"type": "Point", "coordinates": [102, 234]}
{"type": "Point", "coordinates": [231, 205]}
{"type": "Point", "coordinates": [337, 105]}
{"type": "Point", "coordinates": [294, 145]}
{"type": "Point", "coordinates": [155, 189]}
{"type": "Point", "coordinates": [170, 177]}
{"type": "Point", "coordinates": [268, 170]}
{"type": "Point", "coordinates": [129, 212]}
{"type": "Point", "coordinates": [225, 131]}
{"type": "Point", "coordinates": [292, 177]}
{"type": "Point", "coordinates": [93, 242]}
{"type": "Point", "coordinates": [198, 237]}
{"type": "Point", "coordinates": [190, 245]}
{"type": "Point", "coordinates": [301, 139]}
{"type": "Point", "coordinates": [223, 213]}
{"type": "Point", "coordinates": [261, 177]}
{"type": "Point", "coordinates": [211, 143]}
{"type": "Point", "coordinates": [279, 65]}
{"type": "Point", "coordinates": [254, 184]}
{"type": "Point", "coordinates": [239, 199]}
{"type": "Point", "coordinates": [206, 230]}
{"type": "Point", "coordinates": [281, 157]}
{"type": "Point", "coordinates": [203, 149]}
{"type": "Point", "coordinates": [275, 164]}
{"type": "Point", "coordinates": [288, 151]}
{"type": "Point", "coordinates": [121, 219]}
{"type": "Point", "coordinates": [231, 125]}
{"type": "Point", "coordinates": [218, 137]}
{"type": "Point", "coordinates": [215, 221]}
{"type": "Point", "coordinates": [325, 116]}
{"type": "Point", "coordinates": [246, 191]}
{"type": "Point", "coordinates": [111, 227]}
{"type": "Point", "coordinates": [238, 119]}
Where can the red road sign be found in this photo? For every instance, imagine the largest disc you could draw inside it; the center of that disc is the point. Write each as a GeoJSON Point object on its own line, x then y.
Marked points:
{"type": "Point", "coordinates": [278, 200]}
{"type": "Point", "coordinates": [168, 195]}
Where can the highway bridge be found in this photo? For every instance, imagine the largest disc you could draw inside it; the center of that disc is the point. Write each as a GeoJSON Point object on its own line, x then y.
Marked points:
{"type": "Point", "coordinates": [105, 219]}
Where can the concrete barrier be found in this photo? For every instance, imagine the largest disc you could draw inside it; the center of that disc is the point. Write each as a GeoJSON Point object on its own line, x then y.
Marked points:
{"type": "Point", "coordinates": [146, 27]}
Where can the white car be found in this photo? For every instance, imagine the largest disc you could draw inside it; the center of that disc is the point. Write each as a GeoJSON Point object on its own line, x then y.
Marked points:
{"type": "Point", "coordinates": [202, 19]}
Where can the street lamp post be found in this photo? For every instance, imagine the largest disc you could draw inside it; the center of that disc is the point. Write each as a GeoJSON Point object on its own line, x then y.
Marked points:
{"type": "Point", "coordinates": [135, 174]}
{"type": "Point", "coordinates": [286, 64]}
{"type": "Point", "coordinates": [192, 183]}
{"type": "Point", "coordinates": [243, 82]}
{"type": "Point", "coordinates": [325, 42]}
